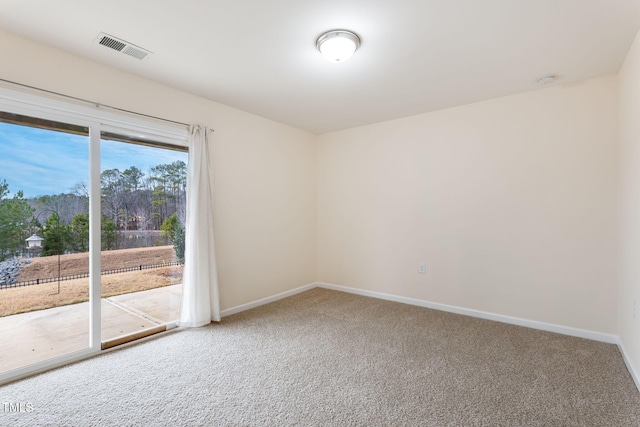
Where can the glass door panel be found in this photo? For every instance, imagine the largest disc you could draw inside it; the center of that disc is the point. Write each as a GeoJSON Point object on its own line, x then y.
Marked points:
{"type": "Point", "coordinates": [143, 210]}
{"type": "Point", "coordinates": [44, 233]}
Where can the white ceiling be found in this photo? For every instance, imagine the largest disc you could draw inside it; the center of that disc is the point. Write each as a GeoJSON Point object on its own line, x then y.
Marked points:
{"type": "Point", "coordinates": [416, 55]}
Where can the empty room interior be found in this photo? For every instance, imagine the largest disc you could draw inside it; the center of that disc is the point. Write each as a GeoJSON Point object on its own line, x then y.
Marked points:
{"type": "Point", "coordinates": [442, 229]}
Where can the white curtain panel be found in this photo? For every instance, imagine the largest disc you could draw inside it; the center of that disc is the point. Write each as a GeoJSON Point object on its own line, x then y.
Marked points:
{"type": "Point", "coordinates": [200, 301]}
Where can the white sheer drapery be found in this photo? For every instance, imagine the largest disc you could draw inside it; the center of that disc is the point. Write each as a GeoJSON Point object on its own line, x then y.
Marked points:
{"type": "Point", "coordinates": [200, 302]}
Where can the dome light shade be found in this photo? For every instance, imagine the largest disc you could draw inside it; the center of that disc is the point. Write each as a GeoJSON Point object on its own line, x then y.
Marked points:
{"type": "Point", "coordinates": [338, 45]}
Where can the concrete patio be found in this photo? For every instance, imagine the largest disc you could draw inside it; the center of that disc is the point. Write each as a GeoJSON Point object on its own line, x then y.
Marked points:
{"type": "Point", "coordinates": [39, 335]}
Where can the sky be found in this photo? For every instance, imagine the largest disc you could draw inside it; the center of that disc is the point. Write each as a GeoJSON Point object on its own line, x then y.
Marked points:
{"type": "Point", "coordinates": [43, 162]}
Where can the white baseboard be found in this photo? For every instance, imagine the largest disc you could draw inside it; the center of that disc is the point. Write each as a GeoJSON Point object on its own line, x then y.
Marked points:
{"type": "Point", "coordinates": [267, 300]}
{"type": "Point", "coordinates": [550, 327]}
{"type": "Point", "coordinates": [630, 368]}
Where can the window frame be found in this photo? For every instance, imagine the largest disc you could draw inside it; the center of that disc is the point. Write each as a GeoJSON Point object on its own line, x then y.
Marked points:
{"type": "Point", "coordinates": [97, 120]}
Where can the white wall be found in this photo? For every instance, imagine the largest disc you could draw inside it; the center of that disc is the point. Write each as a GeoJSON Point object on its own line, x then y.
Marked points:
{"type": "Point", "coordinates": [510, 202]}
{"type": "Point", "coordinates": [264, 176]}
{"type": "Point", "coordinates": [629, 276]}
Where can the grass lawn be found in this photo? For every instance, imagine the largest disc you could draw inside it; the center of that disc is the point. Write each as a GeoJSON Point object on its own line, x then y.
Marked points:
{"type": "Point", "coordinates": [40, 297]}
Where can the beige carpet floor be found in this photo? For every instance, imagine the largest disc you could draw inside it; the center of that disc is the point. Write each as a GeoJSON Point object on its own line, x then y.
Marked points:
{"type": "Point", "coordinates": [326, 358]}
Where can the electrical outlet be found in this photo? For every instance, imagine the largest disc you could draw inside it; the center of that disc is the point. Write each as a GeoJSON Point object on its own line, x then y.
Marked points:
{"type": "Point", "coordinates": [422, 268]}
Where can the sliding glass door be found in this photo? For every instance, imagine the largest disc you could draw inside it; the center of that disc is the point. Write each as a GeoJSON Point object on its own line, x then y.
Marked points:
{"type": "Point", "coordinates": [92, 209]}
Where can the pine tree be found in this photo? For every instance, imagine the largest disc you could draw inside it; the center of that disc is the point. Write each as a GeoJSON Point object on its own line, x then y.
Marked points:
{"type": "Point", "coordinates": [15, 213]}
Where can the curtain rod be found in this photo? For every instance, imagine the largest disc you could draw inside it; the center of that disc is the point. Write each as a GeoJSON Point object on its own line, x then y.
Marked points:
{"type": "Point", "coordinates": [96, 104]}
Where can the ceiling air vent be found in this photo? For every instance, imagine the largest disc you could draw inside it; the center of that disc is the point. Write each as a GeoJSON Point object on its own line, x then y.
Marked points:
{"type": "Point", "coordinates": [121, 46]}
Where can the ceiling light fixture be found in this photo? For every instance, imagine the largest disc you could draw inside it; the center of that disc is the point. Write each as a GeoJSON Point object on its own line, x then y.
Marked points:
{"type": "Point", "coordinates": [338, 45]}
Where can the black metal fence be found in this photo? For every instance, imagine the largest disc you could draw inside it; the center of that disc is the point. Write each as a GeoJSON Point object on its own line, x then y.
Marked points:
{"type": "Point", "coordinates": [84, 275]}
